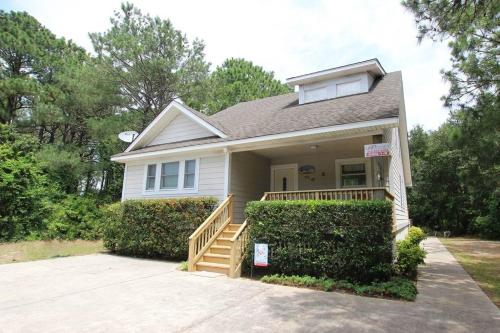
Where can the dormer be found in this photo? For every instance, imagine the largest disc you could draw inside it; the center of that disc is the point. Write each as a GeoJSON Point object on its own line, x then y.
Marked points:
{"type": "Point", "coordinates": [336, 82]}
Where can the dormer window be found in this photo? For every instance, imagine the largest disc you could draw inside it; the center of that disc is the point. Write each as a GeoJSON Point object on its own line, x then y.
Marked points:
{"type": "Point", "coordinates": [337, 82]}
{"type": "Point", "coordinates": [349, 88]}
{"type": "Point", "coordinates": [315, 94]}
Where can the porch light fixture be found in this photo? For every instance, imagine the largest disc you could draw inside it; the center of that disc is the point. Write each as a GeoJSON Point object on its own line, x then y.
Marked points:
{"type": "Point", "coordinates": [313, 147]}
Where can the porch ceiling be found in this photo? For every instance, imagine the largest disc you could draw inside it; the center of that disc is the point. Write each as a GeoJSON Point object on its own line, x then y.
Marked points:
{"type": "Point", "coordinates": [334, 146]}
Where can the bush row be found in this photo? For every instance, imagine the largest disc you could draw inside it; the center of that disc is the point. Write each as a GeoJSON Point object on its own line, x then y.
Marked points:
{"type": "Point", "coordinates": [396, 287]}
{"type": "Point", "coordinates": [154, 228]}
{"type": "Point", "coordinates": [339, 239]}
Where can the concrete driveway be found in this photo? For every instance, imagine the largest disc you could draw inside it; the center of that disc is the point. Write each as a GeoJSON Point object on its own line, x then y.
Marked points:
{"type": "Point", "coordinates": [105, 293]}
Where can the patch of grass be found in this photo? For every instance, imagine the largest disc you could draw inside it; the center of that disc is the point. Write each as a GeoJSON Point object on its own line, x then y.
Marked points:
{"type": "Point", "coordinates": [481, 259]}
{"type": "Point", "coordinates": [397, 287]}
{"type": "Point", "coordinates": [183, 266]}
{"type": "Point", "coordinates": [36, 250]}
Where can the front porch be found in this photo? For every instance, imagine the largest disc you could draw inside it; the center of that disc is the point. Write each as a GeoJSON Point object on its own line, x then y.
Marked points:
{"type": "Point", "coordinates": [333, 169]}
{"type": "Point", "coordinates": [325, 170]}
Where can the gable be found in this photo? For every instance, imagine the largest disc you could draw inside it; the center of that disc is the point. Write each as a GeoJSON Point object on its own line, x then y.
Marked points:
{"type": "Point", "coordinates": [186, 130]}
{"type": "Point", "coordinates": [181, 128]}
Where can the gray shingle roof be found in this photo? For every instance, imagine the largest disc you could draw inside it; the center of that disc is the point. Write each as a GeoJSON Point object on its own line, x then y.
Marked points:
{"type": "Point", "coordinates": [283, 113]}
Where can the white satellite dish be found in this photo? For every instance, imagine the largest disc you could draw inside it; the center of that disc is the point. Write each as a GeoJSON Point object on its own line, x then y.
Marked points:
{"type": "Point", "coordinates": [128, 136]}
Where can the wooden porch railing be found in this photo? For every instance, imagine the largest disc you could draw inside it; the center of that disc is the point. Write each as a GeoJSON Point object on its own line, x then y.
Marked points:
{"type": "Point", "coordinates": [370, 193]}
{"type": "Point", "coordinates": [239, 243]}
{"type": "Point", "coordinates": [209, 230]}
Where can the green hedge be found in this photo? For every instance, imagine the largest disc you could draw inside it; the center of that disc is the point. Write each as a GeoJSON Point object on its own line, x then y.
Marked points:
{"type": "Point", "coordinates": [154, 228]}
{"type": "Point", "coordinates": [340, 239]}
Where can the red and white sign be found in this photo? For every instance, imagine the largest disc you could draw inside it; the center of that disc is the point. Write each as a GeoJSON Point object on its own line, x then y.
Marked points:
{"type": "Point", "coordinates": [260, 256]}
{"type": "Point", "coordinates": [378, 149]}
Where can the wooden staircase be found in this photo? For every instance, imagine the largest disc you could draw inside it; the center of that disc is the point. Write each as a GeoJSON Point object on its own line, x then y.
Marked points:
{"type": "Point", "coordinates": [218, 245]}
{"type": "Point", "coordinates": [217, 258]}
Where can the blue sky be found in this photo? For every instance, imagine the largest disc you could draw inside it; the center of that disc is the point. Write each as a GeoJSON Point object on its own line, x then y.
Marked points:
{"type": "Point", "coordinates": [287, 37]}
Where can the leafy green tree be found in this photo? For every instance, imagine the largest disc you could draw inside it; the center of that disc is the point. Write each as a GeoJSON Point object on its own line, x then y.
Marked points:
{"type": "Point", "coordinates": [26, 51]}
{"type": "Point", "coordinates": [25, 193]}
{"type": "Point", "coordinates": [239, 80]}
{"type": "Point", "coordinates": [153, 62]}
{"type": "Point", "coordinates": [458, 177]}
{"type": "Point", "coordinates": [471, 29]}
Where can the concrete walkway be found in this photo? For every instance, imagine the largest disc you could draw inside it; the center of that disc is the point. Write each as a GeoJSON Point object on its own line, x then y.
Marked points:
{"type": "Point", "coordinates": [105, 293]}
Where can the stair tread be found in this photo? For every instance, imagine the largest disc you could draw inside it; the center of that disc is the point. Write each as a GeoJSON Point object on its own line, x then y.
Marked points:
{"type": "Point", "coordinates": [220, 246]}
{"type": "Point", "coordinates": [224, 238]}
{"type": "Point", "coordinates": [211, 264]}
{"type": "Point", "coordinates": [216, 255]}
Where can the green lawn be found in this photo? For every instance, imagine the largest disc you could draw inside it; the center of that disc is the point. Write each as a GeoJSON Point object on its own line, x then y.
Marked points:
{"type": "Point", "coordinates": [481, 259]}
{"type": "Point", "coordinates": [36, 250]}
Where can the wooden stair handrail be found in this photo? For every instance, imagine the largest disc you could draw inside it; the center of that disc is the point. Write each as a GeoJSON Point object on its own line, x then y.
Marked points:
{"type": "Point", "coordinates": [212, 217]}
{"type": "Point", "coordinates": [203, 237]}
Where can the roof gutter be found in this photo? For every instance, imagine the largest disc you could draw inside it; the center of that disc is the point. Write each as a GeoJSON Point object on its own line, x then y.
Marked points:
{"type": "Point", "coordinates": [368, 125]}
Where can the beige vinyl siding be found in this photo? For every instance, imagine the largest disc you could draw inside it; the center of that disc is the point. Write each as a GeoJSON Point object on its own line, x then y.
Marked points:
{"type": "Point", "coordinates": [210, 178]}
{"type": "Point", "coordinates": [249, 180]}
{"type": "Point", "coordinates": [325, 176]}
{"type": "Point", "coordinates": [396, 182]}
{"type": "Point", "coordinates": [180, 129]}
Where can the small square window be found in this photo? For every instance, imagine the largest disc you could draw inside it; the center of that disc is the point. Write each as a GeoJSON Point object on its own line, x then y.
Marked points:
{"type": "Point", "coordinates": [151, 177]}
{"type": "Point", "coordinates": [169, 175]}
{"type": "Point", "coordinates": [189, 173]}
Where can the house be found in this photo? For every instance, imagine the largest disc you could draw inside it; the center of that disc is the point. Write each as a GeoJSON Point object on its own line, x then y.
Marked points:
{"type": "Point", "coordinates": [342, 135]}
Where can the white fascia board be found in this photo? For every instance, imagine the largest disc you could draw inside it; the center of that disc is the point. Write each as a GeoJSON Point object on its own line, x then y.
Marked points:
{"type": "Point", "coordinates": [387, 122]}
{"type": "Point", "coordinates": [172, 107]}
{"type": "Point", "coordinates": [403, 135]}
{"type": "Point", "coordinates": [368, 65]}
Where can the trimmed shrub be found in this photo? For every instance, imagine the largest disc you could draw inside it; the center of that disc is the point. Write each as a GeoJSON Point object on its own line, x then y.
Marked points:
{"type": "Point", "coordinates": [340, 239]}
{"type": "Point", "coordinates": [416, 235]}
{"type": "Point", "coordinates": [154, 228]}
{"type": "Point", "coordinates": [75, 217]}
{"type": "Point", "coordinates": [410, 254]}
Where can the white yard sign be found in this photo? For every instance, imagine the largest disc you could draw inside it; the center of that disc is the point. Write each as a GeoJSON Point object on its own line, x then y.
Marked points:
{"type": "Point", "coordinates": [260, 256]}
{"type": "Point", "coordinates": [378, 149]}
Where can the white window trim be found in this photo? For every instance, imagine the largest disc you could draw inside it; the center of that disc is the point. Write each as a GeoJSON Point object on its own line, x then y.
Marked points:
{"type": "Point", "coordinates": [180, 189]}
{"type": "Point", "coordinates": [144, 183]}
{"type": "Point", "coordinates": [196, 172]}
{"type": "Point", "coordinates": [294, 166]}
{"type": "Point", "coordinates": [345, 161]}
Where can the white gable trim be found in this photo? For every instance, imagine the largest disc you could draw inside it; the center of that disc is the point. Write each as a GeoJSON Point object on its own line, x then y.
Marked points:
{"type": "Point", "coordinates": [174, 106]}
{"type": "Point", "coordinates": [256, 141]}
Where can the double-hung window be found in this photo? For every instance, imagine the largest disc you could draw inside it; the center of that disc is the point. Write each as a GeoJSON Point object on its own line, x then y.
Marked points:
{"type": "Point", "coordinates": [353, 172]}
{"type": "Point", "coordinates": [353, 175]}
{"type": "Point", "coordinates": [151, 177]}
{"type": "Point", "coordinates": [189, 173]}
{"type": "Point", "coordinates": [169, 175]}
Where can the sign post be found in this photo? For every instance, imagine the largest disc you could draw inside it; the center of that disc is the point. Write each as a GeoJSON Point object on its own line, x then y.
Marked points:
{"type": "Point", "coordinates": [377, 150]}
{"type": "Point", "coordinates": [260, 255]}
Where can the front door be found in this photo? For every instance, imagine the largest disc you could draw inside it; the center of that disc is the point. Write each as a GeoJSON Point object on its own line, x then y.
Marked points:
{"type": "Point", "coordinates": [284, 178]}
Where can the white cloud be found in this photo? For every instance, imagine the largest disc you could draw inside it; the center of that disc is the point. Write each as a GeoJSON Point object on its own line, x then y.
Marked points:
{"type": "Point", "coordinates": [290, 38]}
